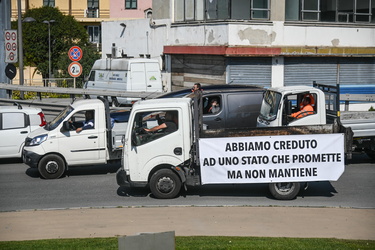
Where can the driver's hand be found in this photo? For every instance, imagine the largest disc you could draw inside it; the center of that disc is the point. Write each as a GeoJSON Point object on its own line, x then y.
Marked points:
{"type": "Point", "coordinates": [147, 130]}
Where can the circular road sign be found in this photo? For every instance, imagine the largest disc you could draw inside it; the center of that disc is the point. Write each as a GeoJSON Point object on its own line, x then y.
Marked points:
{"type": "Point", "coordinates": [10, 71]}
{"type": "Point", "coordinates": [75, 53]}
{"type": "Point", "coordinates": [75, 69]}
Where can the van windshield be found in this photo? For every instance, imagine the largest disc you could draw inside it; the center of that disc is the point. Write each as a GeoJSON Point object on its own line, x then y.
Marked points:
{"type": "Point", "coordinates": [58, 119]}
{"type": "Point", "coordinates": [270, 104]}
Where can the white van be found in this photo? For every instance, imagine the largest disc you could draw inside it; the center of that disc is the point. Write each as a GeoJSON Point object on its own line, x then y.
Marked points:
{"type": "Point", "coordinates": [125, 74]}
{"type": "Point", "coordinates": [15, 124]}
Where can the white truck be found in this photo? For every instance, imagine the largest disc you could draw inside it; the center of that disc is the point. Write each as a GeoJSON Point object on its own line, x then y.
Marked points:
{"type": "Point", "coordinates": [279, 103]}
{"type": "Point", "coordinates": [58, 146]}
{"type": "Point", "coordinates": [190, 156]}
{"type": "Point", "coordinates": [125, 74]}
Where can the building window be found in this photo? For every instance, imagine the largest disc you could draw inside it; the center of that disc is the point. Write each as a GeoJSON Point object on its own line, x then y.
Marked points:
{"type": "Point", "coordinates": [50, 3]}
{"type": "Point", "coordinates": [200, 10]}
{"type": "Point", "coordinates": [94, 34]}
{"type": "Point", "coordinates": [130, 4]}
{"type": "Point", "coordinates": [341, 11]}
{"type": "Point", "coordinates": [92, 8]}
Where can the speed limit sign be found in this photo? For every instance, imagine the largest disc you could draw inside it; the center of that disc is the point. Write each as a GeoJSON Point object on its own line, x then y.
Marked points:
{"type": "Point", "coordinates": [75, 69]}
{"type": "Point", "coordinates": [11, 44]}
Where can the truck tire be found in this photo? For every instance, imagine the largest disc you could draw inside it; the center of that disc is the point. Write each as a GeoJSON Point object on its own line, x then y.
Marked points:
{"type": "Point", "coordinates": [51, 166]}
{"type": "Point", "coordinates": [165, 184]}
{"type": "Point", "coordinates": [285, 190]}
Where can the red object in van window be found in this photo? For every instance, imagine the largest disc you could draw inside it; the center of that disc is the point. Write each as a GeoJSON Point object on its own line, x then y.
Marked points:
{"type": "Point", "coordinates": [42, 119]}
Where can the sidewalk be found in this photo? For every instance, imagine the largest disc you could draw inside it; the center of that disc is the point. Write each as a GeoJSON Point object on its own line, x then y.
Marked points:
{"type": "Point", "coordinates": [342, 223]}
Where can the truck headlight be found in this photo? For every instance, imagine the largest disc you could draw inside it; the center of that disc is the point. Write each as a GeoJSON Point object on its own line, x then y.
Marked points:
{"type": "Point", "coordinates": [37, 140]}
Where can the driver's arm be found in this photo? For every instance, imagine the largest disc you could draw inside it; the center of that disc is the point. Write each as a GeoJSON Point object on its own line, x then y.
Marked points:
{"type": "Point", "coordinates": [156, 128]}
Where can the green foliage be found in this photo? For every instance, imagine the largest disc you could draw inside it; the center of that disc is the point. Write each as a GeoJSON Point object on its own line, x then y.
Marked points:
{"type": "Point", "coordinates": [65, 33]}
{"type": "Point", "coordinates": [198, 242]}
{"type": "Point", "coordinates": [371, 108]}
{"type": "Point", "coordinates": [33, 95]}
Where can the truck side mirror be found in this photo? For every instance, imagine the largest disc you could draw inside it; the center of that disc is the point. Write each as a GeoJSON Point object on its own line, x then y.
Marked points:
{"type": "Point", "coordinates": [65, 126]}
{"type": "Point", "coordinates": [288, 107]}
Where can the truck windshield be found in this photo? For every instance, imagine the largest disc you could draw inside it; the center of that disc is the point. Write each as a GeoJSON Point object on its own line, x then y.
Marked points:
{"type": "Point", "coordinates": [58, 119]}
{"type": "Point", "coordinates": [270, 104]}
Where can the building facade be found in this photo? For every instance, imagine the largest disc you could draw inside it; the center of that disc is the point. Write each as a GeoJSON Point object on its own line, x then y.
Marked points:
{"type": "Point", "coordinates": [90, 13]}
{"type": "Point", "coordinates": [263, 42]}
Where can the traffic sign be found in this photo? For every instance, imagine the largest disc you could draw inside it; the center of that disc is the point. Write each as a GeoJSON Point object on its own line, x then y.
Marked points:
{"type": "Point", "coordinates": [75, 53]}
{"type": "Point", "coordinates": [10, 71]}
{"type": "Point", "coordinates": [75, 69]}
{"type": "Point", "coordinates": [11, 51]}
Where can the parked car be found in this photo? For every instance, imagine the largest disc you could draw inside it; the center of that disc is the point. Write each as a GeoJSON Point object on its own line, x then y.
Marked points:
{"type": "Point", "coordinates": [16, 122]}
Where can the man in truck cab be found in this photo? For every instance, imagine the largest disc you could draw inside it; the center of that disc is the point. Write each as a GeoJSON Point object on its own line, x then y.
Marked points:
{"type": "Point", "coordinates": [169, 125]}
{"type": "Point", "coordinates": [305, 109]}
{"type": "Point", "coordinates": [87, 124]}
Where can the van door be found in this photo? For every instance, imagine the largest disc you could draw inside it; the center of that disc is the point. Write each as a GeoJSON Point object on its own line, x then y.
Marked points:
{"type": "Point", "coordinates": [243, 109]}
{"type": "Point", "coordinates": [214, 119]}
{"type": "Point", "coordinates": [83, 147]}
{"type": "Point", "coordinates": [153, 77]}
{"type": "Point", "coordinates": [137, 77]}
{"type": "Point", "coordinates": [14, 128]}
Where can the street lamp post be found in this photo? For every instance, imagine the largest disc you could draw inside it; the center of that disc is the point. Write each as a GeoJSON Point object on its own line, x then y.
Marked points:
{"type": "Point", "coordinates": [49, 48]}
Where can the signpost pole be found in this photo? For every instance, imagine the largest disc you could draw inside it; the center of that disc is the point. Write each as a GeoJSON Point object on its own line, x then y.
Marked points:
{"type": "Point", "coordinates": [20, 46]}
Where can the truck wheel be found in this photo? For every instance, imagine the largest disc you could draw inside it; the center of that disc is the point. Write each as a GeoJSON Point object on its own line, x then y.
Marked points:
{"type": "Point", "coordinates": [165, 184]}
{"type": "Point", "coordinates": [51, 167]}
{"type": "Point", "coordinates": [285, 190]}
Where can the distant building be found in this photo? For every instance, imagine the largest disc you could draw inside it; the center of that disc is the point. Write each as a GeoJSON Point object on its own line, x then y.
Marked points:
{"type": "Point", "coordinates": [265, 42]}
{"type": "Point", "coordinates": [90, 13]}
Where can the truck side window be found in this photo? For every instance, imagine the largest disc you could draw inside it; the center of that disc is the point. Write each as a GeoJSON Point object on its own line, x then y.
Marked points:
{"type": "Point", "coordinates": [83, 119]}
{"type": "Point", "coordinates": [150, 126]}
{"type": "Point", "coordinates": [299, 106]}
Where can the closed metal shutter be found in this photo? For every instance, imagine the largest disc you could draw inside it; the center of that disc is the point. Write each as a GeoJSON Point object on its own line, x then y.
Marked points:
{"type": "Point", "coordinates": [352, 71]}
{"type": "Point", "coordinates": [355, 71]}
{"type": "Point", "coordinates": [250, 71]}
{"type": "Point", "coordinates": [303, 71]}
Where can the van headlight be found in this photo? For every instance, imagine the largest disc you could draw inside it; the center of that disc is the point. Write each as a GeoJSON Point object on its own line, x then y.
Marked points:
{"type": "Point", "coordinates": [37, 140]}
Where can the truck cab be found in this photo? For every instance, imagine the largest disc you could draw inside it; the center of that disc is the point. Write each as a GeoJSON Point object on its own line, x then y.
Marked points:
{"type": "Point", "coordinates": [58, 145]}
{"type": "Point", "coordinates": [145, 153]}
{"type": "Point", "coordinates": [279, 105]}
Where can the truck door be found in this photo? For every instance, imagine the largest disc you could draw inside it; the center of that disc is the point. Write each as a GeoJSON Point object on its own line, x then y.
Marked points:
{"type": "Point", "coordinates": [150, 149]}
{"type": "Point", "coordinates": [83, 146]}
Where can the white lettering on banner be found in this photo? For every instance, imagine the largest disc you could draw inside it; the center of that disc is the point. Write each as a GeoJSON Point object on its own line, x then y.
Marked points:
{"type": "Point", "coordinates": [263, 159]}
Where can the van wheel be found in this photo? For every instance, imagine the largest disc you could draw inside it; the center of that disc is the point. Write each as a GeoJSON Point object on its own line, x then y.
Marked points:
{"type": "Point", "coordinates": [165, 184]}
{"type": "Point", "coordinates": [51, 167]}
{"type": "Point", "coordinates": [285, 190]}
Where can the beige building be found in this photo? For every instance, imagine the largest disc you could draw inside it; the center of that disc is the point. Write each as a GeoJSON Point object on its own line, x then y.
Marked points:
{"type": "Point", "coordinates": [90, 13]}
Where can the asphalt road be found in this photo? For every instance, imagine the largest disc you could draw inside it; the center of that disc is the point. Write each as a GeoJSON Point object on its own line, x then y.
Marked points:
{"type": "Point", "coordinates": [21, 188]}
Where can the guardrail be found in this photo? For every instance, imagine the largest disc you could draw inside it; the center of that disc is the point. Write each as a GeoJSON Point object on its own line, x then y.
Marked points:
{"type": "Point", "coordinates": [356, 98]}
{"type": "Point", "coordinates": [108, 93]}
{"type": "Point", "coordinates": [73, 91]}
